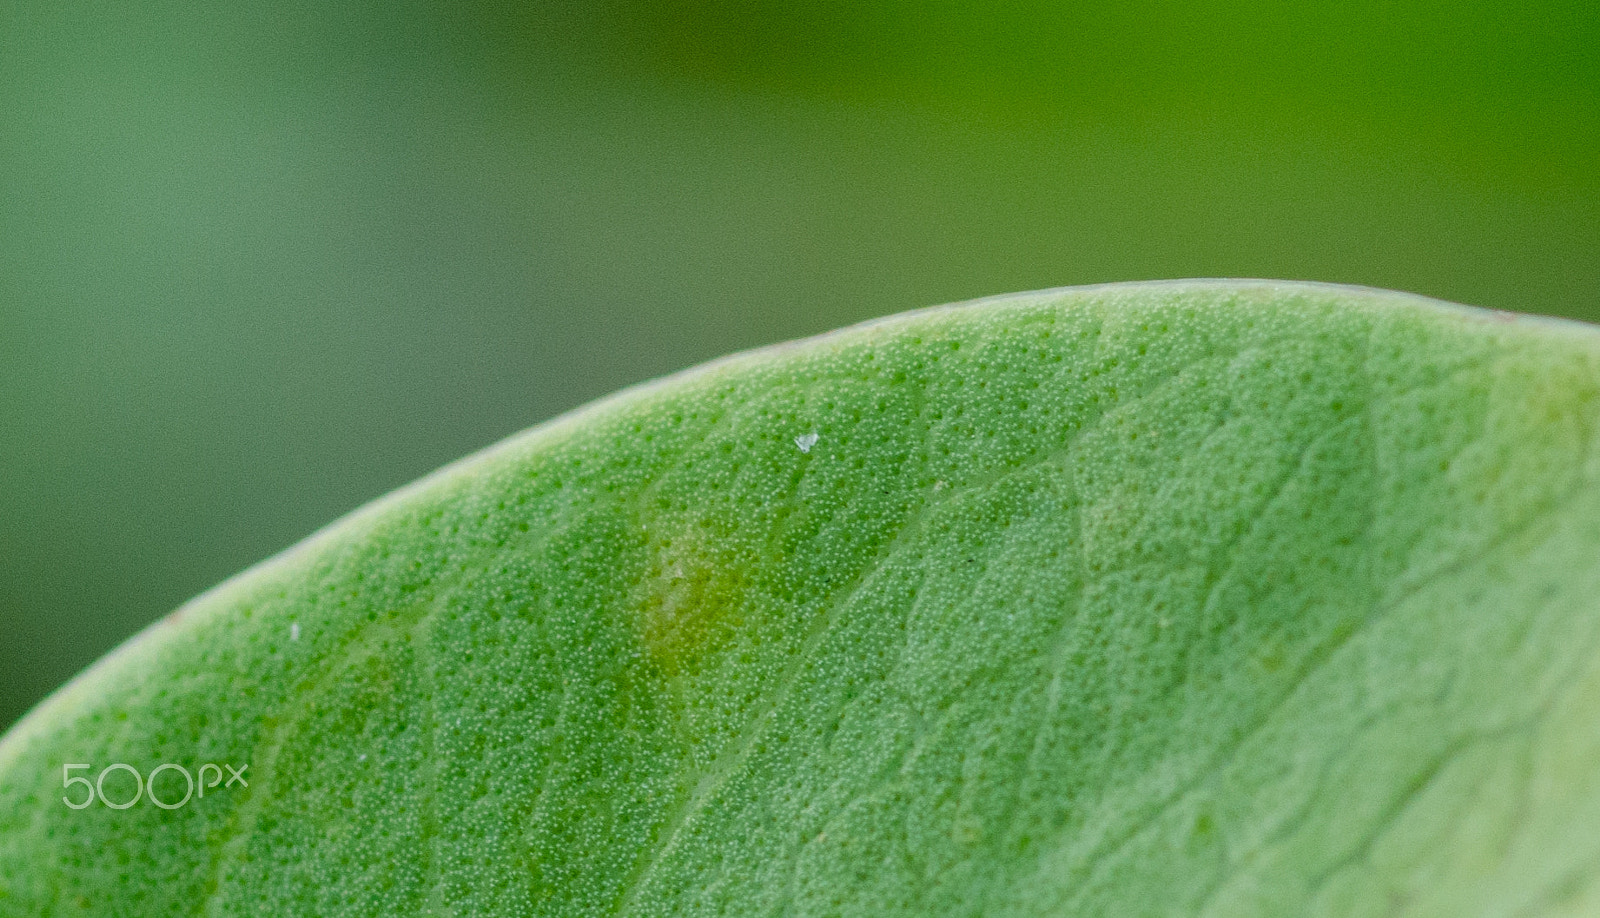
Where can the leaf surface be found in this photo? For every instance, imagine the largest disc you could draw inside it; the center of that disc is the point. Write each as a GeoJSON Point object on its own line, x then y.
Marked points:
{"type": "Point", "coordinates": [1199, 598]}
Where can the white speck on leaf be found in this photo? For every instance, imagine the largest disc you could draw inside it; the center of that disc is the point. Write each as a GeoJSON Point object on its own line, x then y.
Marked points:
{"type": "Point", "coordinates": [294, 631]}
{"type": "Point", "coordinates": [806, 441]}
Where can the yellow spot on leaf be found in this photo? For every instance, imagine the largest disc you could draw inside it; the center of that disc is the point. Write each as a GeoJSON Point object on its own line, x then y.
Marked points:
{"type": "Point", "coordinates": [691, 600]}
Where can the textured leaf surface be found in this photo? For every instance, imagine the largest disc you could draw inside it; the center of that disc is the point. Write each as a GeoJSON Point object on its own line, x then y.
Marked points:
{"type": "Point", "coordinates": [1217, 599]}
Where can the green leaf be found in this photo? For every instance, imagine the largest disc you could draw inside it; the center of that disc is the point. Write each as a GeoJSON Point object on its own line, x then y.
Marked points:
{"type": "Point", "coordinates": [1203, 598]}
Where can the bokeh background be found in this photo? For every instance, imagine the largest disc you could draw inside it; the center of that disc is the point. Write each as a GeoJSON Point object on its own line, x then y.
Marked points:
{"type": "Point", "coordinates": [260, 263]}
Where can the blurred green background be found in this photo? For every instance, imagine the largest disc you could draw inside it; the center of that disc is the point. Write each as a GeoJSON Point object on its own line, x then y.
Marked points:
{"type": "Point", "coordinates": [261, 263]}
